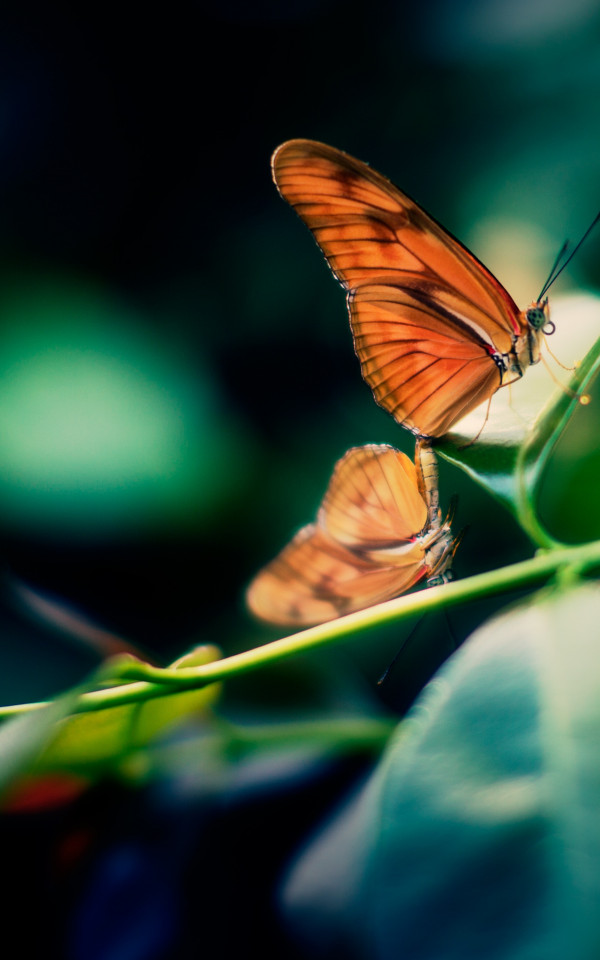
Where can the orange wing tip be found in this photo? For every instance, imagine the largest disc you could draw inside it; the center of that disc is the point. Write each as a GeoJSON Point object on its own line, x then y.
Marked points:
{"type": "Point", "coordinates": [297, 148]}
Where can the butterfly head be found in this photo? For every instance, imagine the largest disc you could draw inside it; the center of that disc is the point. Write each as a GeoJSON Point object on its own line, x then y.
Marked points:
{"type": "Point", "coordinates": [440, 547]}
{"type": "Point", "coordinates": [535, 321]}
{"type": "Point", "coordinates": [538, 317]}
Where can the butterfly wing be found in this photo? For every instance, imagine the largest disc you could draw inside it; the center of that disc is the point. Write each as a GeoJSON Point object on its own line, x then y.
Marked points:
{"type": "Point", "coordinates": [315, 579]}
{"type": "Point", "coordinates": [426, 315]}
{"type": "Point", "coordinates": [373, 500]}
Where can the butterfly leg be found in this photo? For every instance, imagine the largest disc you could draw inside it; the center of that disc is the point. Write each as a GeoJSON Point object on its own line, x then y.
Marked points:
{"type": "Point", "coordinates": [583, 398]}
{"type": "Point", "coordinates": [480, 431]}
{"type": "Point", "coordinates": [555, 358]}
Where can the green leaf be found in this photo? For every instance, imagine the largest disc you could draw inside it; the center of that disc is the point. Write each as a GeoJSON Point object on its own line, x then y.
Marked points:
{"type": "Point", "coordinates": [478, 835]}
{"type": "Point", "coordinates": [92, 742]}
{"type": "Point", "coordinates": [527, 418]}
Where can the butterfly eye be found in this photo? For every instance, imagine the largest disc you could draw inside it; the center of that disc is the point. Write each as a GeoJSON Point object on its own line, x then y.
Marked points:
{"type": "Point", "coordinates": [536, 318]}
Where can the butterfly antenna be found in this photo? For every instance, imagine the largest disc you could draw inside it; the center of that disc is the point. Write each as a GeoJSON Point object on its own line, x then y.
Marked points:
{"type": "Point", "coordinates": [455, 642]}
{"type": "Point", "coordinates": [386, 673]}
{"type": "Point", "coordinates": [556, 270]}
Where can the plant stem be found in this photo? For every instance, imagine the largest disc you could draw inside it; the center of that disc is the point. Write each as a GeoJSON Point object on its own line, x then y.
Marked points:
{"type": "Point", "coordinates": [534, 452]}
{"type": "Point", "coordinates": [526, 513]}
{"type": "Point", "coordinates": [352, 732]}
{"type": "Point", "coordinates": [155, 682]}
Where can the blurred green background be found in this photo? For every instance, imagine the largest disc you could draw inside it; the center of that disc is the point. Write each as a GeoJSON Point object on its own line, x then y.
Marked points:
{"type": "Point", "coordinates": [177, 377]}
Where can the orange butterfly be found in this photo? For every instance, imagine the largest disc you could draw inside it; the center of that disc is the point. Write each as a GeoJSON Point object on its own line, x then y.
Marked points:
{"type": "Point", "coordinates": [436, 334]}
{"type": "Point", "coordinates": [378, 532]}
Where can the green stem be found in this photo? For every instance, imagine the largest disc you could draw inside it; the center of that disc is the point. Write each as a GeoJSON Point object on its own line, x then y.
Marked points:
{"type": "Point", "coordinates": [526, 513]}
{"type": "Point", "coordinates": [338, 735]}
{"type": "Point", "coordinates": [535, 451]}
{"type": "Point", "coordinates": [352, 732]}
{"type": "Point", "coordinates": [155, 682]}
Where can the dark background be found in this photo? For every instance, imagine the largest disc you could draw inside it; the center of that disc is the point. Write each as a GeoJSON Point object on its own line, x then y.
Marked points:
{"type": "Point", "coordinates": [176, 371]}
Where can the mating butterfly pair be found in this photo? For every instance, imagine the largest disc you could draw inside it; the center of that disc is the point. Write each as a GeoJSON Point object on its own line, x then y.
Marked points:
{"type": "Point", "coordinates": [436, 335]}
{"type": "Point", "coordinates": [378, 532]}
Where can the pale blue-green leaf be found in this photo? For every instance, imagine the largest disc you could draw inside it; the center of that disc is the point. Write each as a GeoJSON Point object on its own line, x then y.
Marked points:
{"type": "Point", "coordinates": [478, 834]}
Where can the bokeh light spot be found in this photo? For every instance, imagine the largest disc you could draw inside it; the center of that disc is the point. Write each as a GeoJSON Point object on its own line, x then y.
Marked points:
{"type": "Point", "coordinates": [101, 420]}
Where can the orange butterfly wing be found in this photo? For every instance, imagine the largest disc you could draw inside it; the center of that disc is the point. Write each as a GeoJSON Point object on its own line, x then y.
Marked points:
{"type": "Point", "coordinates": [373, 499]}
{"type": "Point", "coordinates": [362, 550]}
{"type": "Point", "coordinates": [427, 317]}
{"type": "Point", "coordinates": [314, 579]}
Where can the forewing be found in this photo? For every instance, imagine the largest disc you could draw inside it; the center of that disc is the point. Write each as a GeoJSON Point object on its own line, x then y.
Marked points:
{"type": "Point", "coordinates": [413, 289]}
{"type": "Point", "coordinates": [373, 499]}
{"type": "Point", "coordinates": [314, 579]}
